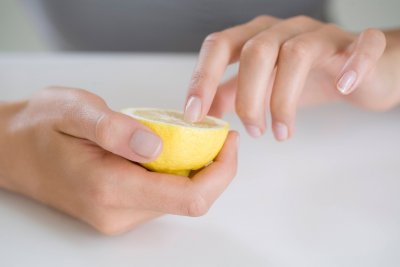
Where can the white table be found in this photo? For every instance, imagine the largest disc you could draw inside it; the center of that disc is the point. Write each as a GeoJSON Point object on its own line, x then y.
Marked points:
{"type": "Point", "coordinates": [329, 197]}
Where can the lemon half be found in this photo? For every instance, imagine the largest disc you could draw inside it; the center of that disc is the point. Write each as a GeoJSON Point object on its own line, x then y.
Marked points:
{"type": "Point", "coordinates": [186, 146]}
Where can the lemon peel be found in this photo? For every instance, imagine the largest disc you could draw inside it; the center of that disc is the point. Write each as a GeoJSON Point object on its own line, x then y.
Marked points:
{"type": "Point", "coordinates": [186, 146]}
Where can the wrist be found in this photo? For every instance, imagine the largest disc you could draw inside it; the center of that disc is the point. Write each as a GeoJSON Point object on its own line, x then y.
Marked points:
{"type": "Point", "coordinates": [8, 112]}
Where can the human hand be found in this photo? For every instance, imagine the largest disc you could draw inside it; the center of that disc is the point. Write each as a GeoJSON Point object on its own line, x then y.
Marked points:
{"type": "Point", "coordinates": [284, 63]}
{"type": "Point", "coordinates": [65, 148]}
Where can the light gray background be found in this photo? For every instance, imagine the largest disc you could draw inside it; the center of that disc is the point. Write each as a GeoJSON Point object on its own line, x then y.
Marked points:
{"type": "Point", "coordinates": [18, 34]}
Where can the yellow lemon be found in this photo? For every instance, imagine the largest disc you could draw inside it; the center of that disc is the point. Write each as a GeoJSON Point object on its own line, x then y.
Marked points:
{"type": "Point", "coordinates": [186, 146]}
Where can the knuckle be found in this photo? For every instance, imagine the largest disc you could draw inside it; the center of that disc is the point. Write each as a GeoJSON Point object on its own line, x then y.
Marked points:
{"type": "Point", "coordinates": [302, 19]}
{"type": "Point", "coordinates": [302, 23]}
{"type": "Point", "coordinates": [257, 48]}
{"type": "Point", "coordinates": [108, 225]}
{"type": "Point", "coordinates": [296, 48]}
{"type": "Point", "coordinates": [65, 96]}
{"type": "Point", "coordinates": [78, 95]}
{"type": "Point", "coordinates": [103, 130]}
{"type": "Point", "coordinates": [330, 27]}
{"type": "Point", "coordinates": [262, 19]}
{"type": "Point", "coordinates": [69, 100]}
{"type": "Point", "coordinates": [216, 39]}
{"type": "Point", "coordinates": [195, 205]}
{"type": "Point", "coordinates": [247, 113]}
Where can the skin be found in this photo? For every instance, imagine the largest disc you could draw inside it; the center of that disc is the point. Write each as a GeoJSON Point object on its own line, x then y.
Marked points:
{"type": "Point", "coordinates": [284, 64]}
{"type": "Point", "coordinates": [74, 158]}
{"type": "Point", "coordinates": [65, 148]}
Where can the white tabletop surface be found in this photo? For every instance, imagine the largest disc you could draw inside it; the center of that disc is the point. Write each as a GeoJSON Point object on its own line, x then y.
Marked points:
{"type": "Point", "coordinates": [329, 197]}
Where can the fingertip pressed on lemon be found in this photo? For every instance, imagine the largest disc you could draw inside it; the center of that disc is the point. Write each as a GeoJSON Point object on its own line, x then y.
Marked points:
{"type": "Point", "coordinates": [186, 146]}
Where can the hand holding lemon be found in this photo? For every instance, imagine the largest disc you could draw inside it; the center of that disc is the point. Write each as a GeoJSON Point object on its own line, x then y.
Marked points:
{"type": "Point", "coordinates": [77, 155]}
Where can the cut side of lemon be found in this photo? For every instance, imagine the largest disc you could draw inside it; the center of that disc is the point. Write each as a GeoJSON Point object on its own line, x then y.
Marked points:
{"type": "Point", "coordinates": [186, 146]}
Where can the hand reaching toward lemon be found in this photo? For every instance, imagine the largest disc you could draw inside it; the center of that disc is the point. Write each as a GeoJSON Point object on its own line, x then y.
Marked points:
{"type": "Point", "coordinates": [285, 63]}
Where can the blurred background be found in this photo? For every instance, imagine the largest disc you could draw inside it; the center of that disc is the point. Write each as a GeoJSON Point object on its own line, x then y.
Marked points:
{"type": "Point", "coordinates": [19, 34]}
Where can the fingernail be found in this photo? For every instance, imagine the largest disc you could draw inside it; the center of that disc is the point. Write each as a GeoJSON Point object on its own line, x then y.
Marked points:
{"type": "Point", "coordinates": [281, 131]}
{"type": "Point", "coordinates": [145, 143]}
{"type": "Point", "coordinates": [253, 131]}
{"type": "Point", "coordinates": [193, 109]}
{"type": "Point", "coordinates": [346, 82]}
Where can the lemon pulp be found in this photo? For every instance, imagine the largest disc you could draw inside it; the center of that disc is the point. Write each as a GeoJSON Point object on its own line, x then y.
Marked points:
{"type": "Point", "coordinates": [186, 146]}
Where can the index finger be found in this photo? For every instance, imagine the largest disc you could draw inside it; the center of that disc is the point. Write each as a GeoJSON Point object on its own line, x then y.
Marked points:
{"type": "Point", "coordinates": [217, 52]}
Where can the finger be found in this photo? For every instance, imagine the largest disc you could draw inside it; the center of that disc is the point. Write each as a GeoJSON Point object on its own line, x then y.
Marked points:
{"type": "Point", "coordinates": [87, 116]}
{"type": "Point", "coordinates": [296, 57]}
{"type": "Point", "coordinates": [217, 52]}
{"type": "Point", "coordinates": [257, 64]}
{"type": "Point", "coordinates": [368, 48]}
{"type": "Point", "coordinates": [224, 100]}
{"type": "Point", "coordinates": [180, 195]}
{"type": "Point", "coordinates": [117, 221]}
{"type": "Point", "coordinates": [213, 180]}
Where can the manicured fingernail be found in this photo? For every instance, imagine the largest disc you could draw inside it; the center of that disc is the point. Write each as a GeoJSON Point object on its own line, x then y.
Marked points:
{"type": "Point", "coordinates": [253, 131]}
{"type": "Point", "coordinates": [145, 143]}
{"type": "Point", "coordinates": [281, 131]}
{"type": "Point", "coordinates": [346, 82]}
{"type": "Point", "coordinates": [192, 109]}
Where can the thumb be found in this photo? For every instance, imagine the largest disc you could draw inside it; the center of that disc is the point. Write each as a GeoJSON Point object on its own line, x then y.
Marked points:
{"type": "Point", "coordinates": [113, 131]}
{"type": "Point", "coordinates": [367, 50]}
{"type": "Point", "coordinates": [124, 136]}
